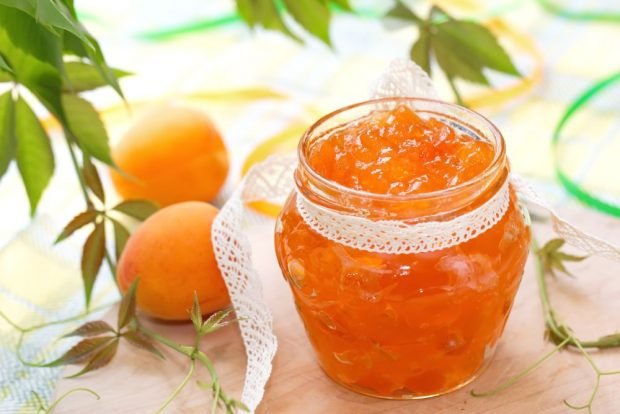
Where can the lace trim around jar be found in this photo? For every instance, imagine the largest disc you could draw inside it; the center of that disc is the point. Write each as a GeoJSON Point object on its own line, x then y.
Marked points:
{"type": "Point", "coordinates": [396, 237]}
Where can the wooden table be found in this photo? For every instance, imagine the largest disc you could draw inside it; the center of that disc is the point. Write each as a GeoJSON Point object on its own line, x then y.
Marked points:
{"type": "Point", "coordinates": [136, 382]}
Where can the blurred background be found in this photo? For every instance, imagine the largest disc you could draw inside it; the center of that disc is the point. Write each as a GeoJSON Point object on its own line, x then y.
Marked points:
{"type": "Point", "coordinates": [262, 90]}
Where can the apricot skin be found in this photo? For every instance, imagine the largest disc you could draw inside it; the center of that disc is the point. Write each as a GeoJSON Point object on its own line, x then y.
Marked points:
{"type": "Point", "coordinates": [172, 255]}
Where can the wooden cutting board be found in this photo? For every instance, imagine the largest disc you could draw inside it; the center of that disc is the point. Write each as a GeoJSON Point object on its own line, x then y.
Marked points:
{"type": "Point", "coordinates": [136, 382]}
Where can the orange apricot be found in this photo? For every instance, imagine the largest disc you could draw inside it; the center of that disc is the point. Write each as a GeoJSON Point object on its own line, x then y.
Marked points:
{"type": "Point", "coordinates": [172, 255]}
{"type": "Point", "coordinates": [170, 155]}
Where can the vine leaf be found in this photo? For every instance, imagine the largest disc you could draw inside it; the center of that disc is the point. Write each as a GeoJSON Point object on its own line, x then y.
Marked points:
{"type": "Point", "coordinates": [85, 77]}
{"type": "Point", "coordinates": [462, 49]}
{"type": "Point", "coordinates": [54, 14]}
{"type": "Point", "coordinates": [216, 321]}
{"type": "Point", "coordinates": [56, 21]}
{"type": "Point", "coordinates": [4, 66]}
{"type": "Point", "coordinates": [553, 259]}
{"type": "Point", "coordinates": [93, 328]}
{"type": "Point", "coordinates": [402, 12]}
{"type": "Point", "coordinates": [92, 258]}
{"type": "Point", "coordinates": [312, 15]}
{"type": "Point", "coordinates": [196, 313]}
{"type": "Point", "coordinates": [474, 42]}
{"type": "Point", "coordinates": [99, 359]}
{"type": "Point", "coordinates": [246, 11]}
{"type": "Point", "coordinates": [138, 209]}
{"type": "Point", "coordinates": [81, 352]}
{"type": "Point", "coordinates": [7, 132]}
{"type": "Point", "coordinates": [420, 51]}
{"type": "Point", "coordinates": [140, 340]}
{"type": "Point", "coordinates": [264, 13]}
{"type": "Point", "coordinates": [343, 4]}
{"type": "Point", "coordinates": [35, 55]}
{"type": "Point", "coordinates": [79, 221]}
{"type": "Point", "coordinates": [95, 54]}
{"type": "Point", "coordinates": [121, 235]}
{"type": "Point", "coordinates": [35, 159]}
{"type": "Point", "coordinates": [87, 128]}
{"type": "Point", "coordinates": [92, 179]}
{"type": "Point", "coordinates": [127, 308]}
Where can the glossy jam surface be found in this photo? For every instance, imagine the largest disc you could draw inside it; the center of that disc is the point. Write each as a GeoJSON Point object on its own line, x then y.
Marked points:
{"type": "Point", "coordinates": [397, 152]}
{"type": "Point", "coordinates": [408, 325]}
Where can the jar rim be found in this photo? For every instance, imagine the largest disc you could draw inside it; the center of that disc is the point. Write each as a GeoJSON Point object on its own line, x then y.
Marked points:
{"type": "Point", "coordinates": [491, 170]}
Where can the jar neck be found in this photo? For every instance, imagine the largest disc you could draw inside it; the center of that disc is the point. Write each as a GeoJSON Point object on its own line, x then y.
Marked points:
{"type": "Point", "coordinates": [433, 206]}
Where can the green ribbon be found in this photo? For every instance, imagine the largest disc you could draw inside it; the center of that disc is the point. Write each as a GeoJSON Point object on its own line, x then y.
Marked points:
{"type": "Point", "coordinates": [586, 15]}
{"type": "Point", "coordinates": [571, 186]}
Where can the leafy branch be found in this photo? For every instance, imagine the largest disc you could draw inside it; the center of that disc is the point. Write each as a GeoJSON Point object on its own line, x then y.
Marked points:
{"type": "Point", "coordinates": [47, 56]}
{"type": "Point", "coordinates": [201, 327]}
{"type": "Point", "coordinates": [549, 259]}
{"type": "Point", "coordinates": [313, 15]}
{"type": "Point", "coordinates": [42, 408]}
{"type": "Point", "coordinates": [462, 49]}
{"type": "Point", "coordinates": [100, 340]}
{"type": "Point", "coordinates": [94, 250]}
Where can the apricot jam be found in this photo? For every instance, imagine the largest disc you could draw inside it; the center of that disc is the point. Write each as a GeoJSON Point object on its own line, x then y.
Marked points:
{"type": "Point", "coordinates": [409, 325]}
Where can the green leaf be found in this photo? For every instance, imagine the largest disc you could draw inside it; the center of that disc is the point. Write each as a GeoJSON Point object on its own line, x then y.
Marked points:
{"type": "Point", "coordinates": [245, 8]}
{"type": "Point", "coordinates": [312, 15]}
{"type": "Point", "coordinates": [92, 179]}
{"type": "Point", "coordinates": [34, 54]}
{"type": "Point", "coordinates": [4, 66]}
{"type": "Point", "coordinates": [7, 131]}
{"type": "Point", "coordinates": [558, 265]}
{"type": "Point", "coordinates": [33, 153]}
{"type": "Point", "coordinates": [85, 77]}
{"type": "Point", "coordinates": [552, 245]}
{"type": "Point", "coordinates": [69, 4]}
{"type": "Point", "coordinates": [565, 257]}
{"type": "Point", "coordinates": [93, 328]}
{"type": "Point", "coordinates": [402, 12]}
{"type": "Point", "coordinates": [100, 359]}
{"type": "Point", "coordinates": [138, 209]}
{"type": "Point", "coordinates": [92, 257]}
{"type": "Point", "coordinates": [476, 42]}
{"type": "Point", "coordinates": [452, 64]}
{"type": "Point", "coordinates": [81, 351]}
{"type": "Point", "coordinates": [54, 14]}
{"type": "Point", "coordinates": [127, 308]}
{"type": "Point", "coordinates": [121, 235]}
{"type": "Point", "coordinates": [79, 221]}
{"type": "Point", "coordinates": [217, 321]}
{"type": "Point", "coordinates": [87, 128]}
{"type": "Point", "coordinates": [27, 6]}
{"type": "Point", "coordinates": [95, 54]}
{"type": "Point", "coordinates": [268, 16]}
{"type": "Point", "coordinates": [196, 313]}
{"type": "Point", "coordinates": [72, 45]}
{"type": "Point", "coordinates": [421, 49]}
{"type": "Point", "coordinates": [140, 340]}
{"type": "Point", "coordinates": [343, 4]}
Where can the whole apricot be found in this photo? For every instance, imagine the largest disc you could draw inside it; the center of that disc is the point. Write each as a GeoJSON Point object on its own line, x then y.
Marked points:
{"type": "Point", "coordinates": [172, 255]}
{"type": "Point", "coordinates": [172, 154]}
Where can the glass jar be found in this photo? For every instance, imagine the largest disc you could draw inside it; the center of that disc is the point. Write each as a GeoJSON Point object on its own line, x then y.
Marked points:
{"type": "Point", "coordinates": [404, 325]}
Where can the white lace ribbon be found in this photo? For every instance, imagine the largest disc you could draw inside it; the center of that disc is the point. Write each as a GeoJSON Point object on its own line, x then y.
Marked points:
{"type": "Point", "coordinates": [272, 180]}
{"type": "Point", "coordinates": [398, 237]}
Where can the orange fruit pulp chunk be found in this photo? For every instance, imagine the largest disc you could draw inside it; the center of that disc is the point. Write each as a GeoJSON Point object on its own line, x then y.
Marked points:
{"type": "Point", "coordinates": [397, 152]}
{"type": "Point", "coordinates": [402, 325]}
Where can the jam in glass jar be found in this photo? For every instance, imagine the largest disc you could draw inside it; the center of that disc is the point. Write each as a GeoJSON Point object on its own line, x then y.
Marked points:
{"type": "Point", "coordinates": [403, 244]}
